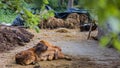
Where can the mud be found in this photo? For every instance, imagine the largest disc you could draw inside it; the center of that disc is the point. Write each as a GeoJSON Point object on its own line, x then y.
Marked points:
{"type": "Point", "coordinates": [10, 37]}
{"type": "Point", "coordinates": [84, 53]}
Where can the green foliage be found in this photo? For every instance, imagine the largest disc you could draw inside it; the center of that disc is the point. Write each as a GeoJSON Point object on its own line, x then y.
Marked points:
{"type": "Point", "coordinates": [40, 3]}
{"type": "Point", "coordinates": [117, 44]}
{"type": "Point", "coordinates": [54, 3]}
{"type": "Point", "coordinates": [61, 5]}
{"type": "Point", "coordinates": [1, 5]}
{"type": "Point", "coordinates": [31, 20]}
{"type": "Point", "coordinates": [57, 6]}
{"type": "Point", "coordinates": [105, 40]}
{"type": "Point", "coordinates": [105, 10]}
{"type": "Point", "coordinates": [7, 16]}
{"type": "Point", "coordinates": [46, 14]}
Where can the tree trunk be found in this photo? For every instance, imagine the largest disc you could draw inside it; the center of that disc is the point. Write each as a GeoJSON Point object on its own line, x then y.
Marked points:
{"type": "Point", "coordinates": [70, 4]}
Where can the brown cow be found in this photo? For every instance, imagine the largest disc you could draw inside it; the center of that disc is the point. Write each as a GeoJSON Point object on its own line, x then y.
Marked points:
{"type": "Point", "coordinates": [30, 56]}
{"type": "Point", "coordinates": [41, 52]}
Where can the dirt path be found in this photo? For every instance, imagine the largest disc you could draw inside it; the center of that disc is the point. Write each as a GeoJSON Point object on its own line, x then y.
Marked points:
{"type": "Point", "coordinates": [85, 53]}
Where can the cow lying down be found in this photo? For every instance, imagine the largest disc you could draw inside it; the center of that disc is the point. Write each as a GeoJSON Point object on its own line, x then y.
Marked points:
{"type": "Point", "coordinates": [41, 52]}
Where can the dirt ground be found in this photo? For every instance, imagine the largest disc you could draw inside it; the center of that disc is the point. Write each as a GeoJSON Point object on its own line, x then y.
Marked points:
{"type": "Point", "coordinates": [84, 53]}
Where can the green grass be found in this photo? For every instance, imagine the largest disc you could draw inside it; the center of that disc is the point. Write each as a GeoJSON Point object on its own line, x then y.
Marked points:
{"type": "Point", "coordinates": [7, 16]}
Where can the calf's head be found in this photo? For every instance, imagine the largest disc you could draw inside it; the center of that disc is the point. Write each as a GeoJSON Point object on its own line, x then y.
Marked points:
{"type": "Point", "coordinates": [40, 48]}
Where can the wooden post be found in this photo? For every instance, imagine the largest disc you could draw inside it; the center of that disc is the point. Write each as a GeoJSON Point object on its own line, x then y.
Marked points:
{"type": "Point", "coordinates": [91, 24]}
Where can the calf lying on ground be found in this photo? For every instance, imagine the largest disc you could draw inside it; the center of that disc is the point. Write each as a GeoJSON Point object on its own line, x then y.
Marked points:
{"type": "Point", "coordinates": [42, 51]}
{"type": "Point", "coordinates": [29, 56]}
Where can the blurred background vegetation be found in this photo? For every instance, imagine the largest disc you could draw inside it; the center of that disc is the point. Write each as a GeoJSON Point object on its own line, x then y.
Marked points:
{"type": "Point", "coordinates": [108, 12]}
{"type": "Point", "coordinates": [8, 13]}
{"type": "Point", "coordinates": [7, 16]}
{"type": "Point", "coordinates": [104, 9]}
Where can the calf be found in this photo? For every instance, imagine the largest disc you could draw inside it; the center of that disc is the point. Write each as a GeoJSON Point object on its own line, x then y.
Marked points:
{"type": "Point", "coordinates": [41, 52]}
{"type": "Point", "coordinates": [30, 56]}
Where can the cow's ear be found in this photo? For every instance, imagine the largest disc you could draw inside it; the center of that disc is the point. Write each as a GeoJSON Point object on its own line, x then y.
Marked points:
{"type": "Point", "coordinates": [42, 41]}
{"type": "Point", "coordinates": [36, 45]}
